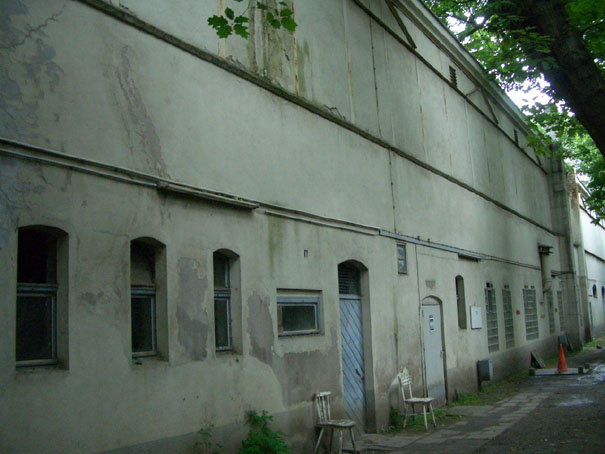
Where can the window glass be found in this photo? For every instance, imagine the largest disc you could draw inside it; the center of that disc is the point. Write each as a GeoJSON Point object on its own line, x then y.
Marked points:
{"type": "Point", "coordinates": [35, 325]}
{"type": "Point", "coordinates": [297, 315]}
{"type": "Point", "coordinates": [221, 270]}
{"type": "Point", "coordinates": [491, 312]}
{"type": "Point", "coordinates": [143, 321]}
{"type": "Point", "coordinates": [461, 302]}
{"type": "Point", "coordinates": [143, 307]}
{"type": "Point", "coordinates": [402, 264]}
{"type": "Point", "coordinates": [222, 323]}
{"type": "Point", "coordinates": [35, 336]}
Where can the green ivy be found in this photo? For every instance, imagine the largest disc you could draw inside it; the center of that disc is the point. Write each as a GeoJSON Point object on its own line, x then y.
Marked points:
{"type": "Point", "coordinates": [280, 16]}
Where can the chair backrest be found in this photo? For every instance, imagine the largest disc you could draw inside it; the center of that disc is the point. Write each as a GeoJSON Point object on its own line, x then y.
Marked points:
{"type": "Point", "coordinates": [322, 405]}
{"type": "Point", "coordinates": [405, 381]}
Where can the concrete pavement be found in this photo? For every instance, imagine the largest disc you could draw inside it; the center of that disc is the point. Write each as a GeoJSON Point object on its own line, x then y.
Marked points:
{"type": "Point", "coordinates": [479, 425]}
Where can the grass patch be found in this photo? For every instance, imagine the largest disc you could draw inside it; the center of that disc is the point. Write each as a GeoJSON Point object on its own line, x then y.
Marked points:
{"type": "Point", "coordinates": [492, 392]}
{"type": "Point", "coordinates": [592, 345]}
{"type": "Point", "coordinates": [416, 423]}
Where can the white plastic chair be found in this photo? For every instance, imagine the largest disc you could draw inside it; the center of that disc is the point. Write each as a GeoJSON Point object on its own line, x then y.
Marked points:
{"type": "Point", "coordinates": [405, 384]}
{"type": "Point", "coordinates": [325, 421]}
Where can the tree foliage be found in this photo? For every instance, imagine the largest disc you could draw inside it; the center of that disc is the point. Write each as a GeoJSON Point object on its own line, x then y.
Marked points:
{"type": "Point", "coordinates": [518, 50]}
{"type": "Point", "coordinates": [554, 46]}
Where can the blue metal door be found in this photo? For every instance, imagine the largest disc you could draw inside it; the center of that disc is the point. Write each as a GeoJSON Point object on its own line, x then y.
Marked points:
{"type": "Point", "coordinates": [351, 329]}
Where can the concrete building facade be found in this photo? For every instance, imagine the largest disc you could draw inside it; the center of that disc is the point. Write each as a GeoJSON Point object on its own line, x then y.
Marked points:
{"type": "Point", "coordinates": [191, 228]}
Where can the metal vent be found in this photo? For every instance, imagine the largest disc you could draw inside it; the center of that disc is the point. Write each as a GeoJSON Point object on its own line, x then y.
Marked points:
{"type": "Point", "coordinates": [348, 280]}
{"type": "Point", "coordinates": [453, 77]}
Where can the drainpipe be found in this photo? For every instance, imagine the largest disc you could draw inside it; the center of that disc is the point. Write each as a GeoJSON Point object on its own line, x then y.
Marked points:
{"type": "Point", "coordinates": [546, 266]}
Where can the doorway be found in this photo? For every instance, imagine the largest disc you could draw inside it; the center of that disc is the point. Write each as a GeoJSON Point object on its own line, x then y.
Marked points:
{"type": "Point", "coordinates": [433, 349]}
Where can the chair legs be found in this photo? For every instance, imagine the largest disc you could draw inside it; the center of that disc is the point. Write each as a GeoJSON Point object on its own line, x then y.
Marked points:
{"type": "Point", "coordinates": [340, 434]}
{"type": "Point", "coordinates": [321, 432]}
{"type": "Point", "coordinates": [352, 440]}
{"type": "Point", "coordinates": [426, 427]}
{"type": "Point", "coordinates": [432, 414]}
{"type": "Point", "coordinates": [424, 410]}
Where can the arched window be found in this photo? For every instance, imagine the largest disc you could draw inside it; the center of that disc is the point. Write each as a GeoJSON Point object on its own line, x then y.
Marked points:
{"type": "Point", "coordinates": [461, 302]}
{"type": "Point", "coordinates": [148, 316]}
{"type": "Point", "coordinates": [594, 291]}
{"type": "Point", "coordinates": [227, 306]}
{"type": "Point", "coordinates": [41, 296]}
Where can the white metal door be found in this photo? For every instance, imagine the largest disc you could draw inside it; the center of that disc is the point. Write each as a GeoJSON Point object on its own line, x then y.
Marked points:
{"type": "Point", "coordinates": [433, 351]}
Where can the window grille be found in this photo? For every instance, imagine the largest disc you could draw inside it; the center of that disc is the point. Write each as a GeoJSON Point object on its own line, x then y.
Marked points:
{"type": "Point", "coordinates": [509, 328]}
{"type": "Point", "coordinates": [402, 262]}
{"type": "Point", "coordinates": [531, 314]}
{"type": "Point", "coordinates": [491, 311]}
{"type": "Point", "coordinates": [348, 280]}
{"type": "Point", "coordinates": [562, 318]}
{"type": "Point", "coordinates": [551, 311]}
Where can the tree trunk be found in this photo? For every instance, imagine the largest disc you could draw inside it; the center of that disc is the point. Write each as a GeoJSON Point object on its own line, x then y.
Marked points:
{"type": "Point", "coordinates": [576, 79]}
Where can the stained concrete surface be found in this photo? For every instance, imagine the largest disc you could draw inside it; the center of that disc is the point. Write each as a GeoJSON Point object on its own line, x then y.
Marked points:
{"type": "Point", "coordinates": [546, 415]}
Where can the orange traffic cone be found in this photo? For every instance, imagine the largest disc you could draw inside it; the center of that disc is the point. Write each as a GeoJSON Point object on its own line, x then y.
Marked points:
{"type": "Point", "coordinates": [562, 366]}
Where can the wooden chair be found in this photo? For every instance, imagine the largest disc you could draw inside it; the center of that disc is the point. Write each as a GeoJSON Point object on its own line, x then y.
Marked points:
{"type": "Point", "coordinates": [325, 421]}
{"type": "Point", "coordinates": [405, 381]}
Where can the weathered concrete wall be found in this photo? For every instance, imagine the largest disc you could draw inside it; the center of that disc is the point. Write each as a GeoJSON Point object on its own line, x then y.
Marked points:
{"type": "Point", "coordinates": [594, 247]}
{"type": "Point", "coordinates": [377, 143]}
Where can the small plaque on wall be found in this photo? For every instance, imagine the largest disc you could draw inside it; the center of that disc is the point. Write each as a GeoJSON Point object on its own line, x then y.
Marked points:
{"type": "Point", "coordinates": [476, 317]}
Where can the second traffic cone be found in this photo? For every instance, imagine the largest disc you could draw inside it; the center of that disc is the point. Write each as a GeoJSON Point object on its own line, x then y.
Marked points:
{"type": "Point", "coordinates": [562, 366]}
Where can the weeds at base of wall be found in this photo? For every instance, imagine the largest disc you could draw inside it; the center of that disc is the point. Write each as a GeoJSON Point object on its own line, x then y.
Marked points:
{"type": "Point", "coordinates": [205, 444]}
{"type": "Point", "coordinates": [261, 438]}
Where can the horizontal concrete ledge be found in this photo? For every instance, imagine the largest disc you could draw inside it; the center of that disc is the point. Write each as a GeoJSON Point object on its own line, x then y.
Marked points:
{"type": "Point", "coordinates": [148, 28]}
{"type": "Point", "coordinates": [193, 192]}
{"type": "Point", "coordinates": [28, 152]}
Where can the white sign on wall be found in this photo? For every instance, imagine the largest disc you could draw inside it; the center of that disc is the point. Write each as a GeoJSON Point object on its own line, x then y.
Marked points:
{"type": "Point", "coordinates": [476, 317]}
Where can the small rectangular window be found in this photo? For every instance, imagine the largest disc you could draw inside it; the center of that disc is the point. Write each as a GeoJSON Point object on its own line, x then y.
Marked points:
{"type": "Point", "coordinates": [297, 315]}
{"type": "Point", "coordinates": [402, 263]}
{"type": "Point", "coordinates": [37, 288]}
{"type": "Point", "coordinates": [143, 308]}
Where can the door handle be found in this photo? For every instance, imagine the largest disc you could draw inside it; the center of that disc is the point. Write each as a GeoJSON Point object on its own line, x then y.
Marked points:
{"type": "Point", "coordinates": [357, 372]}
